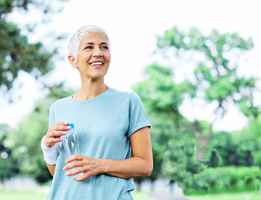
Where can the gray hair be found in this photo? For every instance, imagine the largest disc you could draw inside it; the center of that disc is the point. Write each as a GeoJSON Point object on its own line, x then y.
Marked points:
{"type": "Point", "coordinates": [75, 39]}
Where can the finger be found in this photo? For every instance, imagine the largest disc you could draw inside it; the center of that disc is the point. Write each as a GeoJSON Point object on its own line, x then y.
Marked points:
{"type": "Point", "coordinates": [74, 157]}
{"type": "Point", "coordinates": [73, 164]}
{"type": "Point", "coordinates": [83, 176]}
{"type": "Point", "coordinates": [53, 140]}
{"type": "Point", "coordinates": [74, 171]}
{"type": "Point", "coordinates": [57, 133]}
{"type": "Point", "coordinates": [62, 123]}
{"type": "Point", "coordinates": [58, 124]}
{"type": "Point", "coordinates": [61, 126]}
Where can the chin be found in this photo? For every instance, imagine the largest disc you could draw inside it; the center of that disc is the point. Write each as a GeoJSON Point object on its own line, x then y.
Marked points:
{"type": "Point", "coordinates": [97, 76]}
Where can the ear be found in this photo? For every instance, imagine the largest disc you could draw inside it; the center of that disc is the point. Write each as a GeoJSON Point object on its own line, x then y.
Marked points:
{"type": "Point", "coordinates": [72, 60]}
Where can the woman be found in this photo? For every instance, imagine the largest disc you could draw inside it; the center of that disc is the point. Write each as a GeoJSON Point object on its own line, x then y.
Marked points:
{"type": "Point", "coordinates": [114, 135]}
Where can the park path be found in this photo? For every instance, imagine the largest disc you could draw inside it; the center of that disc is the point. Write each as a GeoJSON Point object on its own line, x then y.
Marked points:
{"type": "Point", "coordinates": [162, 191]}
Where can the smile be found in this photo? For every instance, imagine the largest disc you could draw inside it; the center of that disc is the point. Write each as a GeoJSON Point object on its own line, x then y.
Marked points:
{"type": "Point", "coordinates": [97, 65]}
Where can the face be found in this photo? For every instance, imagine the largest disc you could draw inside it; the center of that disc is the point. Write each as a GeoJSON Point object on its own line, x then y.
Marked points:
{"type": "Point", "coordinates": [93, 56]}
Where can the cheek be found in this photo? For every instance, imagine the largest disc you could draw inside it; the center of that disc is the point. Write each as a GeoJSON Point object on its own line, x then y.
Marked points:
{"type": "Point", "coordinates": [107, 56]}
{"type": "Point", "coordinates": [86, 55]}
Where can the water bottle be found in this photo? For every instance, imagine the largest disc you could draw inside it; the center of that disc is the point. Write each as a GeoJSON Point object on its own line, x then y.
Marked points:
{"type": "Point", "coordinates": [70, 142]}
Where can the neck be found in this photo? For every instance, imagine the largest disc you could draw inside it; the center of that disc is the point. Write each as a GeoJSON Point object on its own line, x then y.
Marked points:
{"type": "Point", "coordinates": [90, 89]}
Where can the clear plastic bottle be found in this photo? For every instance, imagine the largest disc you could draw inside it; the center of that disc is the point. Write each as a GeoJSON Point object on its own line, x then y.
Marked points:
{"type": "Point", "coordinates": [70, 142]}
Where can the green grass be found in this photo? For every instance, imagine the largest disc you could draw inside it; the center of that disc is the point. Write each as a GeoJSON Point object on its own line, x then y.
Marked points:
{"type": "Point", "coordinates": [9, 194]}
{"type": "Point", "coordinates": [229, 196]}
{"type": "Point", "coordinates": [39, 194]}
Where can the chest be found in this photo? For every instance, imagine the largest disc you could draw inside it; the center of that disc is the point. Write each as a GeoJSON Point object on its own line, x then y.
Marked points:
{"type": "Point", "coordinates": [106, 122]}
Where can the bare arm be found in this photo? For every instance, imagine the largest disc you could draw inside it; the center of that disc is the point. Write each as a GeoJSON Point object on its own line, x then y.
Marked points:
{"type": "Point", "coordinates": [51, 169]}
{"type": "Point", "coordinates": [48, 141]}
{"type": "Point", "coordinates": [141, 162]}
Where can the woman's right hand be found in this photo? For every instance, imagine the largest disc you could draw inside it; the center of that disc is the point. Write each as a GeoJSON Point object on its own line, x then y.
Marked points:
{"type": "Point", "coordinates": [55, 133]}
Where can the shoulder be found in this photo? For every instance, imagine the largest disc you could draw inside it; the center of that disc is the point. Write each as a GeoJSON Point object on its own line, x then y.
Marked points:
{"type": "Point", "coordinates": [128, 98]}
{"type": "Point", "coordinates": [126, 94]}
{"type": "Point", "coordinates": [60, 102]}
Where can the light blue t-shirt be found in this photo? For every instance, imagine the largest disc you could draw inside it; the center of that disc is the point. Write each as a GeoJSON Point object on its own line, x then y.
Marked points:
{"type": "Point", "coordinates": [104, 124]}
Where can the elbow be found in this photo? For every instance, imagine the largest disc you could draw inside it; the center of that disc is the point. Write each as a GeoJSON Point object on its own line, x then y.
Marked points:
{"type": "Point", "coordinates": [149, 169]}
{"type": "Point", "coordinates": [51, 169]}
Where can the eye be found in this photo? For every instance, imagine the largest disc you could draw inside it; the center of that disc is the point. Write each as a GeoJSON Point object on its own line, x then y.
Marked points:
{"type": "Point", "coordinates": [88, 47]}
{"type": "Point", "coordinates": [104, 47]}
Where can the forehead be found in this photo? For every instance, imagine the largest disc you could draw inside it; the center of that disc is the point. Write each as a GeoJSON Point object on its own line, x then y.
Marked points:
{"type": "Point", "coordinates": [94, 37]}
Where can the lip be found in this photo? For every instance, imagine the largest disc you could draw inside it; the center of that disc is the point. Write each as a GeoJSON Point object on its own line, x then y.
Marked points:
{"type": "Point", "coordinates": [97, 66]}
{"type": "Point", "coordinates": [101, 61]}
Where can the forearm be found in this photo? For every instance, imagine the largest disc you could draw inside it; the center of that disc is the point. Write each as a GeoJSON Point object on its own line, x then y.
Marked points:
{"type": "Point", "coordinates": [131, 167]}
{"type": "Point", "coordinates": [50, 156]}
{"type": "Point", "coordinates": [51, 169]}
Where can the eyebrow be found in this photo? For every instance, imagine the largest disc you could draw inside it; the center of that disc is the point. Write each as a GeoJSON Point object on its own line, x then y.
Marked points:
{"type": "Point", "coordinates": [91, 43]}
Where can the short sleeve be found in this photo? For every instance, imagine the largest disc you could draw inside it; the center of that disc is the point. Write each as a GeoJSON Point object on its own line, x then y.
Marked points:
{"type": "Point", "coordinates": [137, 116]}
{"type": "Point", "coordinates": [51, 119]}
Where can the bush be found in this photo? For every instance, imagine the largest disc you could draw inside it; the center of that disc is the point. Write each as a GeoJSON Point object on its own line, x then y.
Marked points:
{"type": "Point", "coordinates": [26, 144]}
{"type": "Point", "coordinates": [215, 159]}
{"type": "Point", "coordinates": [8, 164]}
{"type": "Point", "coordinates": [226, 149]}
{"type": "Point", "coordinates": [225, 179]}
{"type": "Point", "coordinates": [257, 158]}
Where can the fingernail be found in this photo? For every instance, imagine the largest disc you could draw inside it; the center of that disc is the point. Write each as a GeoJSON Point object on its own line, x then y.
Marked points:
{"type": "Point", "coordinates": [71, 125]}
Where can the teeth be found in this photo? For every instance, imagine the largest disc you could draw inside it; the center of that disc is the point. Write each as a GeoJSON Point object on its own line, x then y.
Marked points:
{"type": "Point", "coordinates": [97, 63]}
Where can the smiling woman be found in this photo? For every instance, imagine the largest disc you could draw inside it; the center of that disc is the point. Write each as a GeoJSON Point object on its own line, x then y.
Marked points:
{"type": "Point", "coordinates": [91, 54]}
{"type": "Point", "coordinates": [113, 131]}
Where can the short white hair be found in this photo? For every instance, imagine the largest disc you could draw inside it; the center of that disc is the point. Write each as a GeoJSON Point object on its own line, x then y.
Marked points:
{"type": "Point", "coordinates": [75, 39]}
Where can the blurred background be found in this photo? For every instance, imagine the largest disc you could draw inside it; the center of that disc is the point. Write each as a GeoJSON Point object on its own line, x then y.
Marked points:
{"type": "Point", "coordinates": [195, 65]}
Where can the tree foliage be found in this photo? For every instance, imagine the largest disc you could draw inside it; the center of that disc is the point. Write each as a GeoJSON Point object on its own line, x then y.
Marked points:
{"type": "Point", "coordinates": [17, 51]}
{"type": "Point", "coordinates": [19, 149]}
{"type": "Point", "coordinates": [172, 134]}
{"type": "Point", "coordinates": [216, 79]}
{"type": "Point", "coordinates": [27, 137]}
{"type": "Point", "coordinates": [8, 164]}
{"type": "Point", "coordinates": [217, 73]}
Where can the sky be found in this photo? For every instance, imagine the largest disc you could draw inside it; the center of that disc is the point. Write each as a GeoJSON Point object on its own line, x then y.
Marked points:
{"type": "Point", "coordinates": [132, 26]}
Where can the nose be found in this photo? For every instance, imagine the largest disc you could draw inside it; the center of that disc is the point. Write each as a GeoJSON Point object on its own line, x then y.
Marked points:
{"type": "Point", "coordinates": [97, 52]}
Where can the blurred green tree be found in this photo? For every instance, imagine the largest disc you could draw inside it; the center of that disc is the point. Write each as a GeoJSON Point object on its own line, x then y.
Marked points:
{"type": "Point", "coordinates": [8, 164]}
{"type": "Point", "coordinates": [214, 78]}
{"type": "Point", "coordinates": [27, 137]}
{"type": "Point", "coordinates": [172, 134]}
{"type": "Point", "coordinates": [20, 53]}
{"type": "Point", "coordinates": [215, 159]}
{"type": "Point", "coordinates": [216, 74]}
{"type": "Point", "coordinates": [17, 50]}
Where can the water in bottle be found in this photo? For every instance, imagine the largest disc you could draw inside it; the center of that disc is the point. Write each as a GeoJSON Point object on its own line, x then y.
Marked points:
{"type": "Point", "coordinates": [70, 142]}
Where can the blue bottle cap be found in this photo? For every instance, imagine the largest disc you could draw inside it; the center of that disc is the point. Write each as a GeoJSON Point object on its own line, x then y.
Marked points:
{"type": "Point", "coordinates": [71, 125]}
